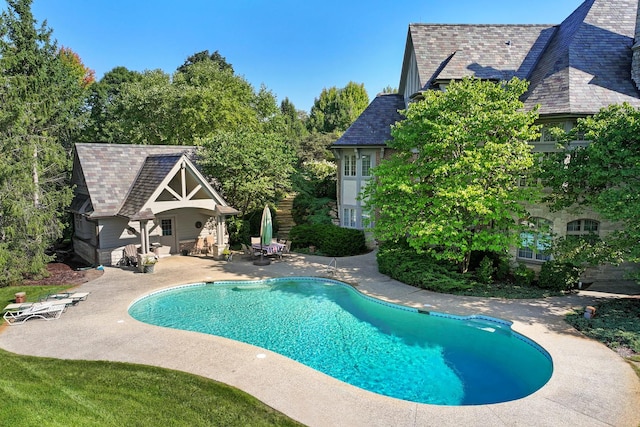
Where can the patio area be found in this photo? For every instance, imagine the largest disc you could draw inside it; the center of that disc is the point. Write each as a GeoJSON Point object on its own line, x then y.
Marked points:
{"type": "Point", "coordinates": [591, 385]}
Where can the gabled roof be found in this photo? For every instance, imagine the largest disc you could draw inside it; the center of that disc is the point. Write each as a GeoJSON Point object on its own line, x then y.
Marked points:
{"type": "Point", "coordinates": [373, 126]}
{"type": "Point", "coordinates": [110, 170]}
{"type": "Point", "coordinates": [500, 52]}
{"type": "Point", "coordinates": [587, 65]}
{"type": "Point", "coordinates": [155, 169]}
{"type": "Point", "coordinates": [574, 68]}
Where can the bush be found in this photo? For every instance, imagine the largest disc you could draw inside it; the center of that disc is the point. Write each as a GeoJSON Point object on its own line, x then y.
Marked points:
{"type": "Point", "coordinates": [310, 210]}
{"type": "Point", "coordinates": [239, 231]}
{"type": "Point", "coordinates": [329, 239]}
{"type": "Point", "coordinates": [404, 264]}
{"type": "Point", "coordinates": [523, 275]}
{"type": "Point", "coordinates": [558, 276]}
{"type": "Point", "coordinates": [485, 270]}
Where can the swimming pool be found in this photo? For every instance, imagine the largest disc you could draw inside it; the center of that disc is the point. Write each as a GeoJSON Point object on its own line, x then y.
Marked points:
{"type": "Point", "coordinates": [385, 348]}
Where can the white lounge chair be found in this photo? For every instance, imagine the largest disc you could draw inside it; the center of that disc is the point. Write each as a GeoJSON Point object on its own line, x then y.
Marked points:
{"type": "Point", "coordinates": [75, 297]}
{"type": "Point", "coordinates": [43, 310]}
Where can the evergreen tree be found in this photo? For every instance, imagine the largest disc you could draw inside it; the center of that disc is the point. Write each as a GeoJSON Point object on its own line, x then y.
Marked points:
{"type": "Point", "coordinates": [41, 100]}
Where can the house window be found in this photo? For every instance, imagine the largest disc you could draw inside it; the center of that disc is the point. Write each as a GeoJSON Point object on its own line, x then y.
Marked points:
{"type": "Point", "coordinates": [350, 165]}
{"type": "Point", "coordinates": [583, 226]}
{"type": "Point", "coordinates": [367, 220]}
{"type": "Point", "coordinates": [167, 229]}
{"type": "Point", "coordinates": [349, 217]}
{"type": "Point", "coordinates": [535, 243]}
{"type": "Point", "coordinates": [547, 131]}
{"type": "Point", "coordinates": [366, 164]}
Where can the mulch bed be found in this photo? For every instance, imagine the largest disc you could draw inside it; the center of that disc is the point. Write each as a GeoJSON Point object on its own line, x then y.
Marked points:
{"type": "Point", "coordinates": [65, 273]}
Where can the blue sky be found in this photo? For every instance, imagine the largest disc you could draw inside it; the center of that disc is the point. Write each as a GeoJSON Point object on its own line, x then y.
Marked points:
{"type": "Point", "coordinates": [296, 48]}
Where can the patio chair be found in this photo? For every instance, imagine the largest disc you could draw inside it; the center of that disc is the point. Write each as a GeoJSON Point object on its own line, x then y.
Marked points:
{"type": "Point", "coordinates": [44, 310]}
{"type": "Point", "coordinates": [249, 252]}
{"type": "Point", "coordinates": [75, 297]}
{"type": "Point", "coordinates": [198, 248]}
{"type": "Point", "coordinates": [130, 255]}
{"type": "Point", "coordinates": [208, 244]}
{"type": "Point", "coordinates": [286, 250]}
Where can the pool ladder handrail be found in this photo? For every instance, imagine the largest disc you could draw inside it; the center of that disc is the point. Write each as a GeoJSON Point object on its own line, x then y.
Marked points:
{"type": "Point", "coordinates": [333, 263]}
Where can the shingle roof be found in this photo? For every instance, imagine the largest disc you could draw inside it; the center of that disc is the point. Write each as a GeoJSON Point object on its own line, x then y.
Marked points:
{"type": "Point", "coordinates": [446, 52]}
{"type": "Point", "coordinates": [373, 127]}
{"type": "Point", "coordinates": [155, 169]}
{"type": "Point", "coordinates": [587, 65]}
{"type": "Point", "coordinates": [110, 170]}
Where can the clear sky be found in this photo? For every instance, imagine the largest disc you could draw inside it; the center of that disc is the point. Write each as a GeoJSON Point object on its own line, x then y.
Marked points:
{"type": "Point", "coordinates": [296, 48]}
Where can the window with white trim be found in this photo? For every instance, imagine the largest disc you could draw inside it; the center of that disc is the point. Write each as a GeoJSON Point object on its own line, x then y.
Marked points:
{"type": "Point", "coordinates": [350, 165]}
{"type": "Point", "coordinates": [349, 217]}
{"type": "Point", "coordinates": [166, 226]}
{"type": "Point", "coordinates": [366, 164]}
{"type": "Point", "coordinates": [535, 243]}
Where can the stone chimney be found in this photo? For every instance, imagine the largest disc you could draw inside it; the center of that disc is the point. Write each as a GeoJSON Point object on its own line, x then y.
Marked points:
{"type": "Point", "coordinates": [635, 62]}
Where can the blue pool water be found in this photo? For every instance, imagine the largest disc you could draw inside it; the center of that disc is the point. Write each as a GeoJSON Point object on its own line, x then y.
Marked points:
{"type": "Point", "coordinates": [384, 348]}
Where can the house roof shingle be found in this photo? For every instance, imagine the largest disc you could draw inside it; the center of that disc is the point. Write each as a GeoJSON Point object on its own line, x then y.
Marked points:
{"type": "Point", "coordinates": [155, 169]}
{"type": "Point", "coordinates": [587, 65]}
{"type": "Point", "coordinates": [446, 52]}
{"type": "Point", "coordinates": [110, 170]}
{"type": "Point", "coordinates": [373, 127]}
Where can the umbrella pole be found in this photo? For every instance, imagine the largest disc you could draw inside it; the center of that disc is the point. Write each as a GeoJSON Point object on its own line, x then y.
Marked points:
{"type": "Point", "coordinates": [262, 260]}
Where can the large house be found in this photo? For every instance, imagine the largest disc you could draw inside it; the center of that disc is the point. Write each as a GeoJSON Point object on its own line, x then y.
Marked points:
{"type": "Point", "coordinates": [150, 196]}
{"type": "Point", "coordinates": [576, 68]}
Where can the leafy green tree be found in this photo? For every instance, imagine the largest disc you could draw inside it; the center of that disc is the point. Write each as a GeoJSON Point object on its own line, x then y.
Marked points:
{"type": "Point", "coordinates": [202, 99]}
{"type": "Point", "coordinates": [251, 168]}
{"type": "Point", "coordinates": [450, 187]}
{"type": "Point", "coordinates": [604, 175]}
{"type": "Point", "coordinates": [336, 109]}
{"type": "Point", "coordinates": [41, 104]}
{"type": "Point", "coordinates": [203, 56]}
{"type": "Point", "coordinates": [100, 101]}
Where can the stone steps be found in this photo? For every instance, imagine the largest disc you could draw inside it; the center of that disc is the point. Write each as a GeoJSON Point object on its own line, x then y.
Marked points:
{"type": "Point", "coordinates": [285, 219]}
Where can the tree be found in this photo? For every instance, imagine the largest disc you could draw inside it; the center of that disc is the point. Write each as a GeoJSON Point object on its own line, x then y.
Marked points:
{"type": "Point", "coordinates": [250, 168]}
{"type": "Point", "coordinates": [101, 99]}
{"type": "Point", "coordinates": [41, 106]}
{"type": "Point", "coordinates": [203, 56]}
{"type": "Point", "coordinates": [451, 188]}
{"type": "Point", "coordinates": [604, 175]}
{"type": "Point", "coordinates": [336, 109]}
{"type": "Point", "coordinates": [155, 108]}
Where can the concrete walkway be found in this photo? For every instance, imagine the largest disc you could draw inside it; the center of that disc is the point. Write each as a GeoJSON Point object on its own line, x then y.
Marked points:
{"type": "Point", "coordinates": [591, 385]}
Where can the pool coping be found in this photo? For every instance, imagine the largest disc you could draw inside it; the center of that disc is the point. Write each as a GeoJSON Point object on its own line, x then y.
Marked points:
{"type": "Point", "coordinates": [590, 383]}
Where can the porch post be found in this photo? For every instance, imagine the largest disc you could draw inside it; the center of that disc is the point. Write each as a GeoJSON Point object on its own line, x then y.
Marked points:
{"type": "Point", "coordinates": [220, 231]}
{"type": "Point", "coordinates": [144, 237]}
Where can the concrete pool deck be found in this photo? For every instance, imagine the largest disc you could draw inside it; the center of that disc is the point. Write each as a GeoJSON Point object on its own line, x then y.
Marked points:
{"type": "Point", "coordinates": [591, 385]}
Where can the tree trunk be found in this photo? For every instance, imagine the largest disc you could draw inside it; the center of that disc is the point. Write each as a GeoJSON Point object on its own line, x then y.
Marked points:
{"type": "Point", "coordinates": [36, 178]}
{"type": "Point", "coordinates": [464, 264]}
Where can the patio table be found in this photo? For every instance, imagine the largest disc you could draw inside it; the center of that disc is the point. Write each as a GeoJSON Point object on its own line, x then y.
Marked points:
{"type": "Point", "coordinates": [272, 249]}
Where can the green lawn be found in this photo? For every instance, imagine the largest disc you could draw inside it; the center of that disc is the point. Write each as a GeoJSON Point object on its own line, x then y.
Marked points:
{"type": "Point", "coordinates": [51, 392]}
{"type": "Point", "coordinates": [34, 293]}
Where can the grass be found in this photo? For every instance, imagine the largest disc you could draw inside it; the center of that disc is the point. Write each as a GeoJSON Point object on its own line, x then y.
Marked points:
{"type": "Point", "coordinates": [616, 324]}
{"type": "Point", "coordinates": [52, 392]}
{"type": "Point", "coordinates": [34, 293]}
